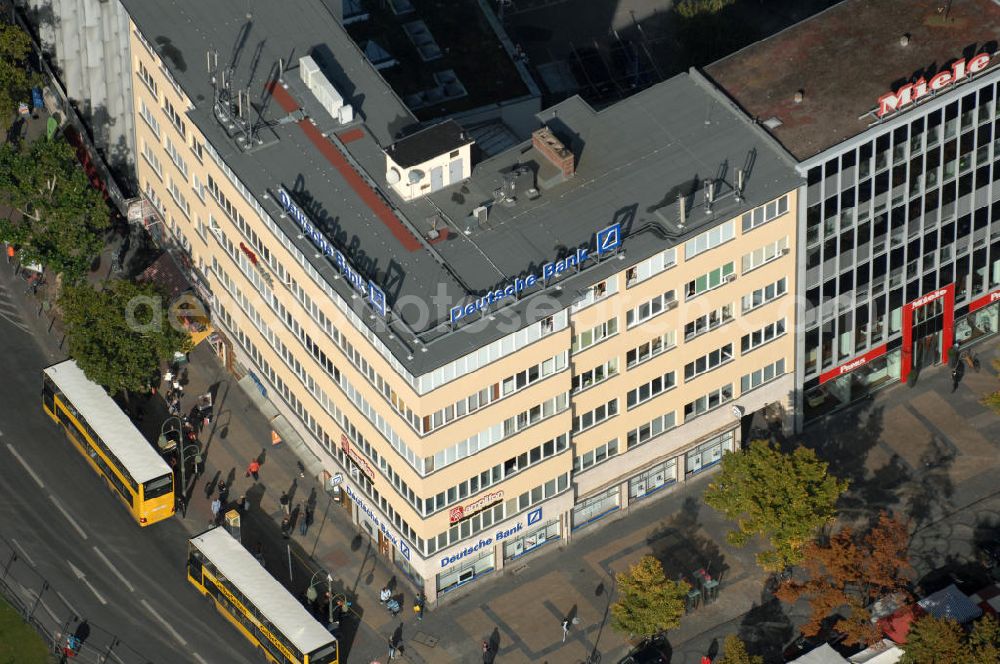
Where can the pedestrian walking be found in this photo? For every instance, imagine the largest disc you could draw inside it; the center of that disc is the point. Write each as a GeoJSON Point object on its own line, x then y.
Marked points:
{"type": "Point", "coordinates": [392, 648]}
{"type": "Point", "coordinates": [10, 253]}
{"type": "Point", "coordinates": [243, 504]}
{"type": "Point", "coordinates": [216, 508]}
{"type": "Point", "coordinates": [565, 628]}
{"type": "Point", "coordinates": [254, 469]}
{"type": "Point", "coordinates": [285, 506]}
{"type": "Point", "coordinates": [286, 526]}
{"type": "Point", "coordinates": [303, 521]}
{"type": "Point", "coordinates": [223, 492]}
{"type": "Point", "coordinates": [486, 652]}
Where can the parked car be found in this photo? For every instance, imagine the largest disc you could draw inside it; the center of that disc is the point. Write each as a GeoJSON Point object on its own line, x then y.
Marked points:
{"type": "Point", "coordinates": [651, 651]}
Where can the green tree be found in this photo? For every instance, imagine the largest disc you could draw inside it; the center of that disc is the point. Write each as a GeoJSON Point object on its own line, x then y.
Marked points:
{"type": "Point", "coordinates": [734, 651]}
{"type": "Point", "coordinates": [62, 218]}
{"type": "Point", "coordinates": [16, 77]}
{"type": "Point", "coordinates": [648, 602]}
{"type": "Point", "coordinates": [120, 335]}
{"type": "Point", "coordinates": [936, 641]}
{"type": "Point", "coordinates": [784, 498]}
{"type": "Point", "coordinates": [984, 640]}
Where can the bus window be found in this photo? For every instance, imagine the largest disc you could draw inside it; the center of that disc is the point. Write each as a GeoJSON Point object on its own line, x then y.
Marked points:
{"type": "Point", "coordinates": [327, 655]}
{"type": "Point", "coordinates": [48, 395]}
{"type": "Point", "coordinates": [158, 487]}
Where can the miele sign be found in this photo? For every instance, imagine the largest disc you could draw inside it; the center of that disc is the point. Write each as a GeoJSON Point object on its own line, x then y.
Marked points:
{"type": "Point", "coordinates": [911, 92]}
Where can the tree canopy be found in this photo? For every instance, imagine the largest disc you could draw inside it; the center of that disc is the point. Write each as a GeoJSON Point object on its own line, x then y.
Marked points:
{"type": "Point", "coordinates": [648, 602]}
{"type": "Point", "coordinates": [734, 651]}
{"type": "Point", "coordinates": [62, 218]}
{"type": "Point", "coordinates": [120, 335]}
{"type": "Point", "coordinates": [16, 78]}
{"type": "Point", "coordinates": [943, 641]}
{"type": "Point", "coordinates": [852, 571]}
{"type": "Point", "coordinates": [784, 498]}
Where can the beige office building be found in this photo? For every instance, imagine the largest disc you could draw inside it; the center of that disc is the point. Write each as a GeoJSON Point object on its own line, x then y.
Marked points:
{"type": "Point", "coordinates": [492, 352]}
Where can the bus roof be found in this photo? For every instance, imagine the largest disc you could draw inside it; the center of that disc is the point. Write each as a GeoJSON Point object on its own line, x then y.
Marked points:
{"type": "Point", "coordinates": [108, 421]}
{"type": "Point", "coordinates": [269, 597]}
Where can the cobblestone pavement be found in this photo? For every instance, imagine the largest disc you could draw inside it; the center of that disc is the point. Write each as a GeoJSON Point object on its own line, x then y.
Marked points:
{"type": "Point", "coordinates": [922, 450]}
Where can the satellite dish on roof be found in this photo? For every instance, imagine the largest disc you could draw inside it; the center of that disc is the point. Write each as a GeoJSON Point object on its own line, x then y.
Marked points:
{"type": "Point", "coordinates": [392, 177]}
{"type": "Point", "coordinates": [415, 176]}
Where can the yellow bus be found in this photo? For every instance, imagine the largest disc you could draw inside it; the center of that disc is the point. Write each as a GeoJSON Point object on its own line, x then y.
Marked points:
{"type": "Point", "coordinates": [260, 607]}
{"type": "Point", "coordinates": [109, 442]}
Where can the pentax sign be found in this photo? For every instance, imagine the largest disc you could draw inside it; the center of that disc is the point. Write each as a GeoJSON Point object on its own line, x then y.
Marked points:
{"type": "Point", "coordinates": [912, 92]}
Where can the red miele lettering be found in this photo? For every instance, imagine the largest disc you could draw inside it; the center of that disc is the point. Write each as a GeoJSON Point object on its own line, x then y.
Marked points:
{"type": "Point", "coordinates": [250, 254]}
{"type": "Point", "coordinates": [911, 92]}
{"type": "Point", "coordinates": [927, 299]}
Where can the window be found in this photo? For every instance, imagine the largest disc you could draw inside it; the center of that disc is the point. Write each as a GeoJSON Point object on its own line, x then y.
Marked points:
{"type": "Point", "coordinates": [595, 456]}
{"type": "Point", "coordinates": [198, 186]}
{"type": "Point", "coordinates": [709, 321]}
{"type": "Point", "coordinates": [597, 292]}
{"type": "Point", "coordinates": [710, 401]}
{"type": "Point", "coordinates": [595, 417]}
{"type": "Point", "coordinates": [762, 296]}
{"type": "Point", "coordinates": [175, 156]}
{"type": "Point", "coordinates": [651, 348]}
{"type": "Point", "coordinates": [150, 157]}
{"type": "Point", "coordinates": [650, 267]}
{"type": "Point", "coordinates": [653, 388]}
{"type": "Point", "coordinates": [650, 429]}
{"type": "Point", "coordinates": [147, 116]}
{"type": "Point", "coordinates": [765, 213]}
{"type": "Point", "coordinates": [765, 254]}
{"type": "Point", "coordinates": [175, 193]}
{"type": "Point", "coordinates": [710, 280]}
{"type": "Point", "coordinates": [650, 308]}
{"type": "Point", "coordinates": [762, 336]}
{"type": "Point", "coordinates": [146, 78]}
{"type": "Point", "coordinates": [597, 334]}
{"type": "Point", "coordinates": [709, 361]}
{"type": "Point", "coordinates": [598, 374]}
{"type": "Point", "coordinates": [709, 240]}
{"type": "Point", "coordinates": [175, 118]}
{"type": "Point", "coordinates": [197, 148]}
{"type": "Point", "coordinates": [761, 376]}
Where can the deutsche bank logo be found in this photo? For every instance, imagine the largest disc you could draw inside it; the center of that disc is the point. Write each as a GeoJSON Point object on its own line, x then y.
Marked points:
{"type": "Point", "coordinates": [377, 298]}
{"type": "Point", "coordinates": [404, 549]}
{"type": "Point", "coordinates": [534, 516]}
{"type": "Point", "coordinates": [609, 239]}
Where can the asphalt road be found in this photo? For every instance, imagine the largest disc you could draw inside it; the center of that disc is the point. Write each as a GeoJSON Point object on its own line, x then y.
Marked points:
{"type": "Point", "coordinates": [75, 542]}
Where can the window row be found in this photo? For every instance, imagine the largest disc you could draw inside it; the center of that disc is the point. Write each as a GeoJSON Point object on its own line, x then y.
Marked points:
{"type": "Point", "coordinates": [762, 336]}
{"type": "Point", "coordinates": [598, 374]}
{"type": "Point", "coordinates": [710, 401]}
{"type": "Point", "coordinates": [650, 308]}
{"type": "Point", "coordinates": [595, 416]}
{"type": "Point", "coordinates": [595, 456]}
{"type": "Point", "coordinates": [709, 361]}
{"type": "Point", "coordinates": [765, 254]}
{"type": "Point", "coordinates": [708, 322]}
{"type": "Point", "coordinates": [650, 267]}
{"type": "Point", "coordinates": [710, 239]}
{"type": "Point", "coordinates": [594, 335]}
{"type": "Point", "coordinates": [761, 376]}
{"type": "Point", "coordinates": [650, 349]}
{"type": "Point", "coordinates": [710, 280]}
{"type": "Point", "coordinates": [650, 429]}
{"type": "Point", "coordinates": [762, 296]}
{"type": "Point", "coordinates": [765, 213]}
{"type": "Point", "coordinates": [647, 391]}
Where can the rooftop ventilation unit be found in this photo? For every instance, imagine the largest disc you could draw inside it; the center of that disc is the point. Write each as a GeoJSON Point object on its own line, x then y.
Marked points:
{"type": "Point", "coordinates": [323, 90]}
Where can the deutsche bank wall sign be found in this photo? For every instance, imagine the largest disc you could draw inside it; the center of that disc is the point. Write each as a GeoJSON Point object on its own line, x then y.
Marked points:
{"type": "Point", "coordinates": [373, 294]}
{"type": "Point", "coordinates": [608, 240]}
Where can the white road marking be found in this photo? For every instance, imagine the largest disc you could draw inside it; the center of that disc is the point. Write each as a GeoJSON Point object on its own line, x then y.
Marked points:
{"type": "Point", "coordinates": [24, 463]}
{"type": "Point", "coordinates": [199, 658]}
{"type": "Point", "coordinates": [68, 605]}
{"type": "Point", "coordinates": [79, 574]}
{"type": "Point", "coordinates": [121, 577]}
{"type": "Point", "coordinates": [23, 552]}
{"type": "Point", "coordinates": [170, 628]}
{"type": "Point", "coordinates": [71, 520]}
{"type": "Point", "coordinates": [51, 613]}
{"type": "Point", "coordinates": [18, 325]}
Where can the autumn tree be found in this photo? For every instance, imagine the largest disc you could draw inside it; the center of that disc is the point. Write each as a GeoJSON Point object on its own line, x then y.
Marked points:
{"type": "Point", "coordinates": [784, 498]}
{"type": "Point", "coordinates": [61, 218]}
{"type": "Point", "coordinates": [984, 640]}
{"type": "Point", "coordinates": [648, 602]}
{"type": "Point", "coordinates": [852, 571]}
{"type": "Point", "coordinates": [120, 335]}
{"type": "Point", "coordinates": [16, 77]}
{"type": "Point", "coordinates": [734, 651]}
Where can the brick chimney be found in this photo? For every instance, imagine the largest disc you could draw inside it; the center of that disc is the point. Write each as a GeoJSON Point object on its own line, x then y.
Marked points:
{"type": "Point", "coordinates": [561, 157]}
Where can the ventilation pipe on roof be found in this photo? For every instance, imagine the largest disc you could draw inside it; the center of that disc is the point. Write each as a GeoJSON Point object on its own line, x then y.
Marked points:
{"type": "Point", "coordinates": [682, 207]}
{"type": "Point", "coordinates": [740, 181]}
{"type": "Point", "coordinates": [799, 96]}
{"type": "Point", "coordinates": [709, 195]}
{"type": "Point", "coordinates": [904, 39]}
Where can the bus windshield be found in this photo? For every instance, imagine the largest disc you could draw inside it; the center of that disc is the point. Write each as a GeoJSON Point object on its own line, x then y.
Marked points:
{"type": "Point", "coordinates": [158, 487]}
{"type": "Point", "coordinates": [326, 655]}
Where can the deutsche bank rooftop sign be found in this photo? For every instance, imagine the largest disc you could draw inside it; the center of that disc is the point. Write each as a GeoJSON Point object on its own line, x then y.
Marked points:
{"type": "Point", "coordinates": [608, 240]}
{"type": "Point", "coordinates": [373, 294]}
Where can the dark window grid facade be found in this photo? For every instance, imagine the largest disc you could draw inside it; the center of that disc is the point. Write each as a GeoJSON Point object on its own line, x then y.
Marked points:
{"type": "Point", "coordinates": [908, 207]}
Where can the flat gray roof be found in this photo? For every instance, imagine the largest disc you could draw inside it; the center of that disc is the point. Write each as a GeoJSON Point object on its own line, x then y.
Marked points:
{"type": "Point", "coordinates": [632, 161]}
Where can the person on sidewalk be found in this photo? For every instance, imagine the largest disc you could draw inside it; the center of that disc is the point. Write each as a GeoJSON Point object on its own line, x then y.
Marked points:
{"type": "Point", "coordinates": [385, 595]}
{"type": "Point", "coordinates": [392, 648]}
{"type": "Point", "coordinates": [216, 508]}
{"type": "Point", "coordinates": [286, 526]}
{"type": "Point", "coordinates": [565, 628]}
{"type": "Point", "coordinates": [285, 506]}
{"type": "Point", "coordinates": [254, 469]}
{"type": "Point", "coordinates": [303, 520]}
{"type": "Point", "coordinates": [223, 492]}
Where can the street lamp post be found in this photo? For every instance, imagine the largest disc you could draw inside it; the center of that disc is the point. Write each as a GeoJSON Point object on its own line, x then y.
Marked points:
{"type": "Point", "coordinates": [329, 589]}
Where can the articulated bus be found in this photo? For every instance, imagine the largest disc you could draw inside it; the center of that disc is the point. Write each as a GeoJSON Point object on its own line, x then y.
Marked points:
{"type": "Point", "coordinates": [109, 441]}
{"type": "Point", "coordinates": [260, 607]}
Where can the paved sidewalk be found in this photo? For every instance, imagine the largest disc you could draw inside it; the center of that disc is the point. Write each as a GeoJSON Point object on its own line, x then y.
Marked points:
{"type": "Point", "coordinates": [890, 448]}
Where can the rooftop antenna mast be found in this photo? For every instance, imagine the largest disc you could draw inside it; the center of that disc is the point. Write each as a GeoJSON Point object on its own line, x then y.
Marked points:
{"type": "Point", "coordinates": [709, 195]}
{"type": "Point", "coordinates": [682, 208]}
